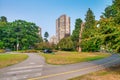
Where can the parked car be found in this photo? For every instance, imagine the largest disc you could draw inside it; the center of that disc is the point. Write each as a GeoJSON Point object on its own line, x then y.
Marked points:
{"type": "Point", "coordinates": [47, 51]}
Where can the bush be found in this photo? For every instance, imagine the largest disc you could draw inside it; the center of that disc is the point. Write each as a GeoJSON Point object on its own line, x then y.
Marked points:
{"type": "Point", "coordinates": [66, 44]}
{"type": "Point", "coordinates": [30, 51]}
{"type": "Point", "coordinates": [44, 45]}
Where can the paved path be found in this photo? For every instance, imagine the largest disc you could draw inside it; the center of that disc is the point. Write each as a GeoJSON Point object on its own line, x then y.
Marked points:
{"type": "Point", "coordinates": [65, 72]}
{"type": "Point", "coordinates": [34, 69]}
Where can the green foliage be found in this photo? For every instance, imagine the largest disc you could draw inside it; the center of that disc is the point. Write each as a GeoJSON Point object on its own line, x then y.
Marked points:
{"type": "Point", "coordinates": [76, 31]}
{"type": "Point", "coordinates": [3, 19]}
{"type": "Point", "coordinates": [116, 6]}
{"type": "Point", "coordinates": [109, 12]}
{"type": "Point", "coordinates": [91, 44]}
{"type": "Point", "coordinates": [18, 35]}
{"type": "Point", "coordinates": [46, 35]}
{"type": "Point", "coordinates": [90, 30]}
{"type": "Point", "coordinates": [89, 19]}
{"type": "Point", "coordinates": [106, 36]}
{"type": "Point", "coordinates": [65, 44]}
{"type": "Point", "coordinates": [44, 45]}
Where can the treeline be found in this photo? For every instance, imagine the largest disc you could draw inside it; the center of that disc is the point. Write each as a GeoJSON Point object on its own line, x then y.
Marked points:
{"type": "Point", "coordinates": [102, 35]}
{"type": "Point", "coordinates": [18, 35]}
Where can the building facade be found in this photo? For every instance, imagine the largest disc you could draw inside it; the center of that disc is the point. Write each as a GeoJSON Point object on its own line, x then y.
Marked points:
{"type": "Point", "coordinates": [62, 27]}
{"type": "Point", "coordinates": [40, 31]}
{"type": "Point", "coordinates": [53, 40]}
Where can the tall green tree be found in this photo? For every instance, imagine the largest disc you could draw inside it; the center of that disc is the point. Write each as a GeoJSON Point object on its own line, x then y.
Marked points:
{"type": "Point", "coordinates": [116, 6]}
{"type": "Point", "coordinates": [46, 35]}
{"type": "Point", "coordinates": [88, 43]}
{"type": "Point", "coordinates": [109, 12]}
{"type": "Point", "coordinates": [76, 31]}
{"type": "Point", "coordinates": [89, 19]}
{"type": "Point", "coordinates": [3, 19]}
{"type": "Point", "coordinates": [89, 24]}
{"type": "Point", "coordinates": [110, 28]}
{"type": "Point", "coordinates": [19, 35]}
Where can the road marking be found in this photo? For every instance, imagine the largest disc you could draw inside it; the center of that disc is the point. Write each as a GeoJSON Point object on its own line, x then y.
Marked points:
{"type": "Point", "coordinates": [14, 72]}
{"type": "Point", "coordinates": [32, 63]}
{"type": "Point", "coordinates": [27, 67]}
{"type": "Point", "coordinates": [69, 72]}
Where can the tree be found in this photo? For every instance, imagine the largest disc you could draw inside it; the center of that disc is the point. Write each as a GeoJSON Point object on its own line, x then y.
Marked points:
{"type": "Point", "coordinates": [65, 44]}
{"type": "Point", "coordinates": [76, 31]}
{"type": "Point", "coordinates": [89, 24]}
{"type": "Point", "coordinates": [109, 12]}
{"type": "Point", "coordinates": [46, 35]}
{"type": "Point", "coordinates": [90, 19]}
{"type": "Point", "coordinates": [116, 7]}
{"type": "Point", "coordinates": [19, 34]}
{"type": "Point", "coordinates": [3, 19]}
{"type": "Point", "coordinates": [89, 43]}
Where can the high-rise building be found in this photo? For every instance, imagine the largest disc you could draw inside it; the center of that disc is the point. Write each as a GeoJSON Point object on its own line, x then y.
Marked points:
{"type": "Point", "coordinates": [53, 40]}
{"type": "Point", "coordinates": [62, 27]}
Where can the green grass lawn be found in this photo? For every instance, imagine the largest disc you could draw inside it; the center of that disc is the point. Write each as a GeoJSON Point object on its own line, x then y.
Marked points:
{"type": "Point", "coordinates": [112, 73]}
{"type": "Point", "coordinates": [63, 57]}
{"type": "Point", "coordinates": [10, 59]}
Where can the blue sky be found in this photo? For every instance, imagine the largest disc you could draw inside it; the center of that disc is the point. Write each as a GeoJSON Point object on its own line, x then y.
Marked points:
{"type": "Point", "coordinates": [45, 12]}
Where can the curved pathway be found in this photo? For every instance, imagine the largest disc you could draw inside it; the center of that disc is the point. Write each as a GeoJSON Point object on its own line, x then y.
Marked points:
{"type": "Point", "coordinates": [34, 68]}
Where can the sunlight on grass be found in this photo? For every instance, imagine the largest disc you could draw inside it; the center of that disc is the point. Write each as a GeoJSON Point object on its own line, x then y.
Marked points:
{"type": "Point", "coordinates": [10, 59]}
{"type": "Point", "coordinates": [63, 57]}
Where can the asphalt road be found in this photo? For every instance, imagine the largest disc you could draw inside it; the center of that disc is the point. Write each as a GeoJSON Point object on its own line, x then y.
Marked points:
{"type": "Point", "coordinates": [34, 68]}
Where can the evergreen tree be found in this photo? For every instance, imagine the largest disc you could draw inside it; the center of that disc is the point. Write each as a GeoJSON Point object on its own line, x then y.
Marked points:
{"type": "Point", "coordinates": [90, 30]}
{"type": "Point", "coordinates": [3, 19]}
{"type": "Point", "coordinates": [76, 31]}
{"type": "Point", "coordinates": [46, 35]}
{"type": "Point", "coordinates": [109, 12]}
{"type": "Point", "coordinates": [90, 19]}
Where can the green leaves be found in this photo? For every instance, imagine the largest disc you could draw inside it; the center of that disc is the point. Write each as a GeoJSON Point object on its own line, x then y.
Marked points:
{"type": "Point", "coordinates": [90, 19]}
{"type": "Point", "coordinates": [76, 31]}
{"type": "Point", "coordinates": [66, 44]}
{"type": "Point", "coordinates": [19, 34]}
{"type": "Point", "coordinates": [46, 35]}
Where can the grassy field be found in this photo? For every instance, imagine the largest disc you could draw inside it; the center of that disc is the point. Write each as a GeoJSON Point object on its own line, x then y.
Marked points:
{"type": "Point", "coordinates": [72, 57]}
{"type": "Point", "coordinates": [10, 59]}
{"type": "Point", "coordinates": [112, 73]}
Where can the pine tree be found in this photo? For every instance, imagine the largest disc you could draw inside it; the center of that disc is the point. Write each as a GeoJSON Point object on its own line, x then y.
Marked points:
{"type": "Point", "coordinates": [76, 31]}
{"type": "Point", "coordinates": [90, 19]}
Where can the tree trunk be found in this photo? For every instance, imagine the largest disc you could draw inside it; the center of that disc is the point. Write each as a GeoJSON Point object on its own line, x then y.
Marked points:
{"type": "Point", "coordinates": [80, 36]}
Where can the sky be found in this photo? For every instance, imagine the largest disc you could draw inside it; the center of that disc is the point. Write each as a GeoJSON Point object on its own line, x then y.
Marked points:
{"type": "Point", "coordinates": [45, 12]}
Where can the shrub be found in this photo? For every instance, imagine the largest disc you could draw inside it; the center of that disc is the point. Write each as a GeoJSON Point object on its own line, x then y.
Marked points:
{"type": "Point", "coordinates": [30, 51]}
{"type": "Point", "coordinates": [66, 44]}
